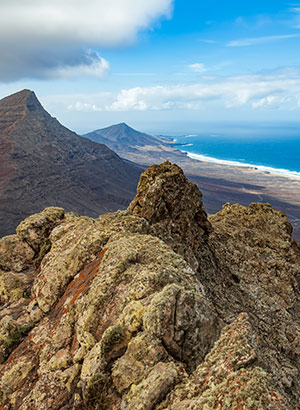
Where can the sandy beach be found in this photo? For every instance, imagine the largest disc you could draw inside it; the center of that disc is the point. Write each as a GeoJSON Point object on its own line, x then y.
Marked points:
{"type": "Point", "coordinates": [269, 170]}
{"type": "Point", "coordinates": [229, 182]}
{"type": "Point", "coordinates": [222, 183]}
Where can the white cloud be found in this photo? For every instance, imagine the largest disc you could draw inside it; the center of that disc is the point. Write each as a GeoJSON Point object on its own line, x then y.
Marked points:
{"type": "Point", "coordinates": [197, 67]}
{"type": "Point", "coordinates": [271, 101]}
{"type": "Point", "coordinates": [95, 66]}
{"type": "Point", "coordinates": [41, 36]}
{"type": "Point", "coordinates": [85, 107]}
{"type": "Point", "coordinates": [77, 102]}
{"type": "Point", "coordinates": [274, 89]}
{"type": "Point", "coordinates": [101, 22]}
{"type": "Point", "coordinates": [259, 40]}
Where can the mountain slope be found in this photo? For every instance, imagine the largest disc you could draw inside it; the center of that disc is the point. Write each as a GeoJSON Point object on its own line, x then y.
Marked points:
{"type": "Point", "coordinates": [134, 145]}
{"type": "Point", "coordinates": [43, 163]}
{"type": "Point", "coordinates": [121, 135]}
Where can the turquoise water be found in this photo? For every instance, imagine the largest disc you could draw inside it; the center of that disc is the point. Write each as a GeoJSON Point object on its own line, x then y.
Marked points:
{"type": "Point", "coordinates": [275, 150]}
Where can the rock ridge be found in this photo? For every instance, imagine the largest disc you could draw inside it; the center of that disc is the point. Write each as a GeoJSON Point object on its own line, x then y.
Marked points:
{"type": "Point", "coordinates": [156, 307]}
{"type": "Point", "coordinates": [45, 164]}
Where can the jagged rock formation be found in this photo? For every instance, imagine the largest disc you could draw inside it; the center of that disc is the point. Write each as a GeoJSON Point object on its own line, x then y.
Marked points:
{"type": "Point", "coordinates": [182, 225]}
{"type": "Point", "coordinates": [156, 307]}
{"type": "Point", "coordinates": [43, 163]}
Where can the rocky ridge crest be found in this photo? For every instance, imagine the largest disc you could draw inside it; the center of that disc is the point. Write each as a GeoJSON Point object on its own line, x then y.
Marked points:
{"type": "Point", "coordinates": [157, 307]}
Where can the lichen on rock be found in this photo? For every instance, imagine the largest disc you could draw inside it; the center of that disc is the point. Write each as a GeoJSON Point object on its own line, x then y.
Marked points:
{"type": "Point", "coordinates": [157, 307]}
{"type": "Point", "coordinates": [184, 321]}
{"type": "Point", "coordinates": [36, 228]}
{"type": "Point", "coordinates": [228, 378]}
{"type": "Point", "coordinates": [153, 389]}
{"type": "Point", "coordinates": [173, 207]}
{"type": "Point", "coordinates": [15, 254]}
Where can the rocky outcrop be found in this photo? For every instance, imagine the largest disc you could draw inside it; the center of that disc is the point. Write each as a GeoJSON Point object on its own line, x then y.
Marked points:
{"type": "Point", "coordinates": [155, 307]}
{"type": "Point", "coordinates": [174, 209]}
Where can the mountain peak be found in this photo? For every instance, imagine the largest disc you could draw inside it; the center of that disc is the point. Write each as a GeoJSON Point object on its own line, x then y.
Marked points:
{"type": "Point", "coordinates": [122, 126]}
{"type": "Point", "coordinates": [18, 106]}
{"type": "Point", "coordinates": [122, 136]}
{"type": "Point", "coordinates": [61, 167]}
{"type": "Point", "coordinates": [21, 99]}
{"type": "Point", "coordinates": [32, 101]}
{"type": "Point", "coordinates": [18, 97]}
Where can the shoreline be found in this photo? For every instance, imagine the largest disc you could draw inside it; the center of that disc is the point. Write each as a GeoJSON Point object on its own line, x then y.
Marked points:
{"type": "Point", "coordinates": [266, 169]}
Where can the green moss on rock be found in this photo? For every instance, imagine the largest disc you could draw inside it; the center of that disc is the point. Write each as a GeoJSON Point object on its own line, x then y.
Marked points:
{"type": "Point", "coordinates": [11, 335]}
{"type": "Point", "coordinates": [114, 342]}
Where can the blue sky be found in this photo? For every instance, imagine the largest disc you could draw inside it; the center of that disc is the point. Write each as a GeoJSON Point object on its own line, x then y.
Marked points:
{"type": "Point", "coordinates": [160, 65]}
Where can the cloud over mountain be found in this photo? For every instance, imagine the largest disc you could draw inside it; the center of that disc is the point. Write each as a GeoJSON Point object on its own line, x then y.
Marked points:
{"type": "Point", "coordinates": [41, 39]}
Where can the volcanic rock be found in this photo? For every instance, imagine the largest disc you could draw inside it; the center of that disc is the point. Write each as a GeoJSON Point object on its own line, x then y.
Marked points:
{"type": "Point", "coordinates": [161, 200]}
{"type": "Point", "coordinates": [115, 315]}
{"type": "Point", "coordinates": [44, 164]}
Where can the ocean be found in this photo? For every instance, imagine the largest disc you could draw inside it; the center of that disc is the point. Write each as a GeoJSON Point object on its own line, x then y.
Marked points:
{"type": "Point", "coordinates": [274, 149]}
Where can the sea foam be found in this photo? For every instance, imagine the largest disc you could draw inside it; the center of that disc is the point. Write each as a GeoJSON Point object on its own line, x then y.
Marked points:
{"type": "Point", "coordinates": [277, 171]}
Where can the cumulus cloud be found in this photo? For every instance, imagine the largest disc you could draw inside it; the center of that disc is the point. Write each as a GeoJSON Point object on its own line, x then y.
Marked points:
{"type": "Point", "coordinates": [269, 90]}
{"type": "Point", "coordinates": [94, 66]}
{"type": "Point", "coordinates": [40, 37]}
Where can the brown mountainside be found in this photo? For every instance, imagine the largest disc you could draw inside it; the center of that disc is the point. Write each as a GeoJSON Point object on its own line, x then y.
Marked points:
{"type": "Point", "coordinates": [43, 163]}
{"type": "Point", "coordinates": [154, 308]}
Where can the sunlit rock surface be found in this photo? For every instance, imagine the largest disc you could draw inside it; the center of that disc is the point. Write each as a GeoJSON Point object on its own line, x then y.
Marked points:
{"type": "Point", "coordinates": [155, 307]}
